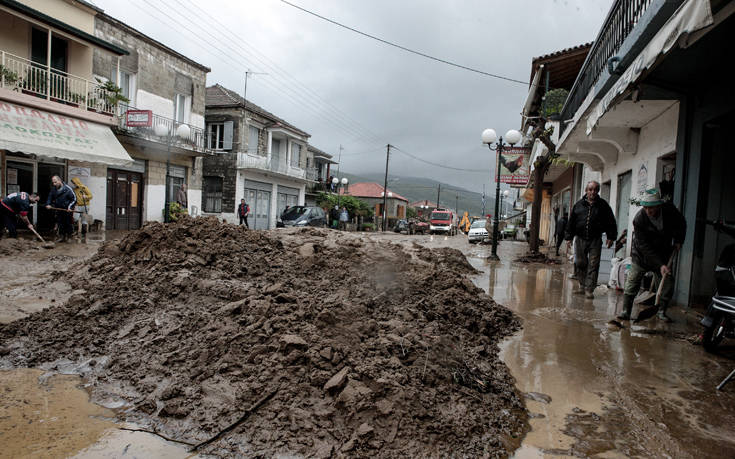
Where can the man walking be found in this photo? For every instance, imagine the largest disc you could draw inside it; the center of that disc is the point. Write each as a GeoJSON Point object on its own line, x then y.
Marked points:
{"type": "Point", "coordinates": [62, 197]}
{"type": "Point", "coordinates": [182, 198]}
{"type": "Point", "coordinates": [591, 216]}
{"type": "Point", "coordinates": [344, 217]}
{"type": "Point", "coordinates": [16, 205]}
{"type": "Point", "coordinates": [658, 229]}
{"type": "Point", "coordinates": [243, 210]}
{"type": "Point", "coordinates": [561, 226]}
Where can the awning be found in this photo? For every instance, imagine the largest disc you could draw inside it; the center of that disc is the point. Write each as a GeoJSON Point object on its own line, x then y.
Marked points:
{"type": "Point", "coordinates": [530, 97]}
{"type": "Point", "coordinates": [50, 135]}
{"type": "Point", "coordinates": [691, 16]}
{"type": "Point", "coordinates": [325, 159]}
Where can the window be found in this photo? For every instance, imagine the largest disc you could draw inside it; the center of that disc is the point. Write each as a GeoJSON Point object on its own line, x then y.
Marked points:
{"type": "Point", "coordinates": [176, 178]}
{"type": "Point", "coordinates": [253, 137]}
{"type": "Point", "coordinates": [216, 136]}
{"type": "Point", "coordinates": [295, 154]}
{"type": "Point", "coordinates": [180, 108]}
{"type": "Point", "coordinates": [212, 199]}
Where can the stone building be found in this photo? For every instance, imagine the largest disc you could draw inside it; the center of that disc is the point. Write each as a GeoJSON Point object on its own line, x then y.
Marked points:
{"type": "Point", "coordinates": [258, 157]}
{"type": "Point", "coordinates": [162, 127]}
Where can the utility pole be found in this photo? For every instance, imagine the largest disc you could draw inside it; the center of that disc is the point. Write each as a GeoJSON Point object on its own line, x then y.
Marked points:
{"type": "Point", "coordinates": [385, 188]}
{"type": "Point", "coordinates": [483, 200]}
{"type": "Point", "coordinates": [456, 204]}
{"type": "Point", "coordinates": [247, 75]}
{"type": "Point", "coordinates": [438, 194]}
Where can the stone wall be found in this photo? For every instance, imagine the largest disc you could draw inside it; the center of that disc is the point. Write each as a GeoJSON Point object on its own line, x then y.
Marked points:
{"type": "Point", "coordinates": [223, 165]}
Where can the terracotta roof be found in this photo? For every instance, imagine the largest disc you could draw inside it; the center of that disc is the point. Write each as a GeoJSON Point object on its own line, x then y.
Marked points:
{"type": "Point", "coordinates": [369, 190]}
{"type": "Point", "coordinates": [219, 96]}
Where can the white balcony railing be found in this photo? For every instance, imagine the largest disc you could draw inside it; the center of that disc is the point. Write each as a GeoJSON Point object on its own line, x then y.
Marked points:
{"type": "Point", "coordinates": [197, 139]}
{"type": "Point", "coordinates": [251, 161]}
{"type": "Point", "coordinates": [19, 74]}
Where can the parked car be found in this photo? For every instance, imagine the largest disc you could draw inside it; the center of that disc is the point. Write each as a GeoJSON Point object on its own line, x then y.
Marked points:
{"type": "Point", "coordinates": [418, 227]}
{"type": "Point", "coordinates": [302, 216]}
{"type": "Point", "coordinates": [478, 232]}
{"type": "Point", "coordinates": [509, 232]}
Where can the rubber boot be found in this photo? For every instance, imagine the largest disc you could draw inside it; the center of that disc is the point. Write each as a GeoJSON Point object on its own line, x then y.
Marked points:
{"type": "Point", "coordinates": [662, 313]}
{"type": "Point", "coordinates": [627, 307]}
{"type": "Point", "coordinates": [579, 290]}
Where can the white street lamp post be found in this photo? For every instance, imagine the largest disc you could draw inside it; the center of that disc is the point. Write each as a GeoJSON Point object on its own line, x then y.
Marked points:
{"type": "Point", "coordinates": [490, 138]}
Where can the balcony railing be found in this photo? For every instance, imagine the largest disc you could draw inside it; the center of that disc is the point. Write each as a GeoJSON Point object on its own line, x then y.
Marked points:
{"type": "Point", "coordinates": [622, 18]}
{"type": "Point", "coordinates": [19, 74]}
{"type": "Point", "coordinates": [277, 165]}
{"type": "Point", "coordinates": [196, 140]}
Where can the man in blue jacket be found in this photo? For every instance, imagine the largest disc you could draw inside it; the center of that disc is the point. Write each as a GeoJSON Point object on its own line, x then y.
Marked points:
{"type": "Point", "coordinates": [62, 197]}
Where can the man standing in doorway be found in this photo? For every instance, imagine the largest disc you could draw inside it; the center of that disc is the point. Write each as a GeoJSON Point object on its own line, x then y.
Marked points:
{"type": "Point", "coordinates": [63, 199]}
{"type": "Point", "coordinates": [561, 226]}
{"type": "Point", "coordinates": [591, 216]}
{"type": "Point", "coordinates": [658, 230]}
{"type": "Point", "coordinates": [243, 210]}
{"type": "Point", "coordinates": [16, 205]}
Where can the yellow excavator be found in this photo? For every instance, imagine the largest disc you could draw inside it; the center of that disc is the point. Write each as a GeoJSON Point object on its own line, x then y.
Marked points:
{"type": "Point", "coordinates": [464, 224]}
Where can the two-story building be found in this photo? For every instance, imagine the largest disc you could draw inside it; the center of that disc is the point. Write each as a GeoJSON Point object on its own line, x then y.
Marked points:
{"type": "Point", "coordinates": [651, 107]}
{"type": "Point", "coordinates": [258, 157]}
{"type": "Point", "coordinates": [318, 171]}
{"type": "Point", "coordinates": [55, 118]}
{"type": "Point", "coordinates": [161, 127]}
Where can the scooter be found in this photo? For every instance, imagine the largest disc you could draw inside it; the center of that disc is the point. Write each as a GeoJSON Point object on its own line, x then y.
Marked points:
{"type": "Point", "coordinates": [719, 321]}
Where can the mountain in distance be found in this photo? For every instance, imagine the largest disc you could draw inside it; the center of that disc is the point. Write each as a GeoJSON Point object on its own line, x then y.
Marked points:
{"type": "Point", "coordinates": [421, 188]}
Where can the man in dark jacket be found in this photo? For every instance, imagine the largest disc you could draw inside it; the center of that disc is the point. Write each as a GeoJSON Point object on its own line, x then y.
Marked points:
{"type": "Point", "coordinates": [62, 197]}
{"type": "Point", "coordinates": [658, 229]}
{"type": "Point", "coordinates": [561, 227]}
{"type": "Point", "coordinates": [591, 216]}
{"type": "Point", "coordinates": [13, 206]}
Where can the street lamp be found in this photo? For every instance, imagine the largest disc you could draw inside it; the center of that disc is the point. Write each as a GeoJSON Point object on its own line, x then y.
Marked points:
{"type": "Point", "coordinates": [385, 209]}
{"type": "Point", "coordinates": [336, 182]}
{"type": "Point", "coordinates": [490, 138]}
{"type": "Point", "coordinates": [184, 132]}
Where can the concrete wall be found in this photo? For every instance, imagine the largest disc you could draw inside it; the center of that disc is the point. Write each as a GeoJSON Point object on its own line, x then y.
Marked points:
{"type": "Point", "coordinates": [15, 35]}
{"type": "Point", "coordinates": [656, 139]}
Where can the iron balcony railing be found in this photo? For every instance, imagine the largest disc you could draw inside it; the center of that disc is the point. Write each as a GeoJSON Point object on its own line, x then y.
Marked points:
{"type": "Point", "coordinates": [620, 21]}
{"type": "Point", "coordinates": [22, 75]}
{"type": "Point", "coordinates": [277, 165]}
{"type": "Point", "coordinates": [196, 140]}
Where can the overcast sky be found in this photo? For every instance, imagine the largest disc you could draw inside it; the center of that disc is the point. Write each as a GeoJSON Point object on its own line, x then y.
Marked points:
{"type": "Point", "coordinates": [346, 89]}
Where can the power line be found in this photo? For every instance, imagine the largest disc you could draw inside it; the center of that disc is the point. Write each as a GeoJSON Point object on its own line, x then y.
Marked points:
{"type": "Point", "coordinates": [395, 45]}
{"type": "Point", "coordinates": [437, 164]}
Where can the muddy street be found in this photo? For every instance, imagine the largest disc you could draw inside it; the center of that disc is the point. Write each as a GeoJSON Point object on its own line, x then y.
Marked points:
{"type": "Point", "coordinates": [590, 390]}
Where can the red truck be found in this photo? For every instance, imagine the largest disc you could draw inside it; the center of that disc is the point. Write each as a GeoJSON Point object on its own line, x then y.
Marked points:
{"type": "Point", "coordinates": [442, 221]}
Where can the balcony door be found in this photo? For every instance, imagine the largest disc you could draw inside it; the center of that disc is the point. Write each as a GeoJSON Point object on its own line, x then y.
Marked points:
{"type": "Point", "coordinates": [59, 50]}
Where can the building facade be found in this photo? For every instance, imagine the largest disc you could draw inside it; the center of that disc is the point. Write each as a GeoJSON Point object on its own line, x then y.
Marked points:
{"type": "Point", "coordinates": [651, 108]}
{"type": "Point", "coordinates": [258, 157]}
{"type": "Point", "coordinates": [55, 117]}
{"type": "Point", "coordinates": [161, 127]}
{"type": "Point", "coordinates": [372, 194]}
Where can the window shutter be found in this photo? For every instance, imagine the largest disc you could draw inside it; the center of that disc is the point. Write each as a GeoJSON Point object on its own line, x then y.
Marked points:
{"type": "Point", "coordinates": [227, 144]}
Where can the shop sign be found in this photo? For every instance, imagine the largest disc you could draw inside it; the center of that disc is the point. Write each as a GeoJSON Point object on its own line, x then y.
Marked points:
{"type": "Point", "coordinates": [138, 118]}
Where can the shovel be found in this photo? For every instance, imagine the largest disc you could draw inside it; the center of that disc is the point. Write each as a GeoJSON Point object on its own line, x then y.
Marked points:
{"type": "Point", "coordinates": [46, 245]}
{"type": "Point", "coordinates": [646, 297]}
{"type": "Point", "coordinates": [652, 310]}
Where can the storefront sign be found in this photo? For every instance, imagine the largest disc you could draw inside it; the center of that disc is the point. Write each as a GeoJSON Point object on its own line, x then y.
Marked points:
{"type": "Point", "coordinates": [514, 168]}
{"type": "Point", "coordinates": [138, 118]}
{"type": "Point", "coordinates": [80, 172]}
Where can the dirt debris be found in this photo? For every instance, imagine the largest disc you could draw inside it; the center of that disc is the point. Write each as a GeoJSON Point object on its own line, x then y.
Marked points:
{"type": "Point", "coordinates": [377, 349]}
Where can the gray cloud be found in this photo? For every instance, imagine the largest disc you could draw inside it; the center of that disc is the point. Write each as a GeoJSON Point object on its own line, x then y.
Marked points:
{"type": "Point", "coordinates": [424, 107]}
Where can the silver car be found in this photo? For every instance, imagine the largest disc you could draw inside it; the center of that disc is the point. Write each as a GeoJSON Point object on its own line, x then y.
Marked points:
{"type": "Point", "coordinates": [477, 232]}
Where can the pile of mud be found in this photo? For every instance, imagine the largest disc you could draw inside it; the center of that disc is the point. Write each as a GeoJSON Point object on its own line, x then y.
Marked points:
{"type": "Point", "coordinates": [15, 246]}
{"type": "Point", "coordinates": [538, 258]}
{"type": "Point", "coordinates": [366, 348]}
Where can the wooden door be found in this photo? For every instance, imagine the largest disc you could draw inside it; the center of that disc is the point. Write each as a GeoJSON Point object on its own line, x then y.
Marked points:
{"type": "Point", "coordinates": [124, 193]}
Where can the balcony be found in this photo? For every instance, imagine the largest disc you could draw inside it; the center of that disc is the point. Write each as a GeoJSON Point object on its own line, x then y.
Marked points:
{"type": "Point", "coordinates": [628, 26]}
{"type": "Point", "coordinates": [22, 75]}
{"type": "Point", "coordinates": [263, 163]}
{"type": "Point", "coordinates": [196, 140]}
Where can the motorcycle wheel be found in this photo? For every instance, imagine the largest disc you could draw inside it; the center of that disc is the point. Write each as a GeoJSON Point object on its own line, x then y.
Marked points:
{"type": "Point", "coordinates": [712, 336]}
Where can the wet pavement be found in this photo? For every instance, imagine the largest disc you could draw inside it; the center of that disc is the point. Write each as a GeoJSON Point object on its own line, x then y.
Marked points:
{"type": "Point", "coordinates": [641, 391]}
{"type": "Point", "coordinates": [593, 390]}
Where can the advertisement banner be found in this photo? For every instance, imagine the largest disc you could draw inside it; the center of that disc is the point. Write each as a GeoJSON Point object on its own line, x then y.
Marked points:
{"type": "Point", "coordinates": [139, 118]}
{"type": "Point", "coordinates": [514, 167]}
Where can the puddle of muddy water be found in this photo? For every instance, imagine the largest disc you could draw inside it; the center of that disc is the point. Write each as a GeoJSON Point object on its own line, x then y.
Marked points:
{"type": "Point", "coordinates": [49, 417]}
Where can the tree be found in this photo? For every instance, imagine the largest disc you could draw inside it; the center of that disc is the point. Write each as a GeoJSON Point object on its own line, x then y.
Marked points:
{"type": "Point", "coordinates": [411, 212]}
{"type": "Point", "coordinates": [354, 206]}
{"type": "Point", "coordinates": [541, 166]}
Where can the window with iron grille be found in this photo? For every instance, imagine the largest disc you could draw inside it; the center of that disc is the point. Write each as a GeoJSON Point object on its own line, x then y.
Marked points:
{"type": "Point", "coordinates": [212, 195]}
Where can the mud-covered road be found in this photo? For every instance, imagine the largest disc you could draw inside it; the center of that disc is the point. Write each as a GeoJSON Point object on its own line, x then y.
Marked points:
{"type": "Point", "coordinates": [591, 390]}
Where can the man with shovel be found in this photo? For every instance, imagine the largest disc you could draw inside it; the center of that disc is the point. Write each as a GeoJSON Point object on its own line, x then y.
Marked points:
{"type": "Point", "coordinates": [658, 231]}
{"type": "Point", "coordinates": [16, 205]}
{"type": "Point", "coordinates": [62, 199]}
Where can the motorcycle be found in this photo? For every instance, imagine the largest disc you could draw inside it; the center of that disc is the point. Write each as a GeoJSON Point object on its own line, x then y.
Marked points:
{"type": "Point", "coordinates": [719, 320]}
